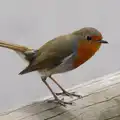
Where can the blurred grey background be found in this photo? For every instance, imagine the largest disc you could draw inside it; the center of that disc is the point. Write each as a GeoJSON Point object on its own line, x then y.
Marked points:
{"type": "Point", "coordinates": [34, 22]}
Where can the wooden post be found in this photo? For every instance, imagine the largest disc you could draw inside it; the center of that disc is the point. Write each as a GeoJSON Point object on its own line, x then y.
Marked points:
{"type": "Point", "coordinates": [101, 101]}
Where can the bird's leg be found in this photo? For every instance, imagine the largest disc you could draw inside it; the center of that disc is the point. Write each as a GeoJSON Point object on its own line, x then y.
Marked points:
{"type": "Point", "coordinates": [56, 99]}
{"type": "Point", "coordinates": [64, 92]}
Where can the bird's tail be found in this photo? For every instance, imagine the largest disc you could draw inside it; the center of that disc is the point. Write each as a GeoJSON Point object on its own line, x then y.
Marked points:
{"type": "Point", "coordinates": [15, 47]}
{"type": "Point", "coordinates": [24, 52]}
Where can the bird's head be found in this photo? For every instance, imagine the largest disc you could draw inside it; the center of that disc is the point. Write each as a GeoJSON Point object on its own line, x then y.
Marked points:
{"type": "Point", "coordinates": [88, 43]}
{"type": "Point", "coordinates": [90, 35]}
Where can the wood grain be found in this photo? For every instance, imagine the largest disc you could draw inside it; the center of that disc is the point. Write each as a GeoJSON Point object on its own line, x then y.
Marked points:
{"type": "Point", "coordinates": [101, 101]}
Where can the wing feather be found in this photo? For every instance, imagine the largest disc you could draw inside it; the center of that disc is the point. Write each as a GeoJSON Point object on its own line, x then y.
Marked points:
{"type": "Point", "coordinates": [52, 53]}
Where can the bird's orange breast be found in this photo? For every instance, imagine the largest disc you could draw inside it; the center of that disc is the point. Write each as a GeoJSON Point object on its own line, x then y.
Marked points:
{"type": "Point", "coordinates": [85, 52]}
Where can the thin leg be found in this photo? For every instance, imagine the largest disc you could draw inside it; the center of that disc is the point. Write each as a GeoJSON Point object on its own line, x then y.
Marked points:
{"type": "Point", "coordinates": [64, 92]}
{"type": "Point", "coordinates": [56, 100]}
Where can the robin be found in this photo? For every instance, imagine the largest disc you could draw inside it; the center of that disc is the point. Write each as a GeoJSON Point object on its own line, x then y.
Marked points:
{"type": "Point", "coordinates": [61, 54]}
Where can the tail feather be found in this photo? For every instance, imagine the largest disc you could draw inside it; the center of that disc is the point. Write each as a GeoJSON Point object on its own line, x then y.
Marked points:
{"type": "Point", "coordinates": [29, 53]}
{"type": "Point", "coordinates": [15, 47]}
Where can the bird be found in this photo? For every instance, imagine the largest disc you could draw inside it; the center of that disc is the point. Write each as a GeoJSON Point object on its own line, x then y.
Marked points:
{"type": "Point", "coordinates": [59, 55]}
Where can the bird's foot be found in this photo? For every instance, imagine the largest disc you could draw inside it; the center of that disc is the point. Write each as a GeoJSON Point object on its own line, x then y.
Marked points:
{"type": "Point", "coordinates": [71, 94]}
{"type": "Point", "coordinates": [60, 101]}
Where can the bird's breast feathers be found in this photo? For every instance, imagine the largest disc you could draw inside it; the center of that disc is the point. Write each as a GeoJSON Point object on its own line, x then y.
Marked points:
{"type": "Point", "coordinates": [83, 53]}
{"type": "Point", "coordinates": [78, 57]}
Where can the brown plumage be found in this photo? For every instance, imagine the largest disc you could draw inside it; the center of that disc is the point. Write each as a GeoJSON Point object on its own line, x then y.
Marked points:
{"type": "Point", "coordinates": [61, 54]}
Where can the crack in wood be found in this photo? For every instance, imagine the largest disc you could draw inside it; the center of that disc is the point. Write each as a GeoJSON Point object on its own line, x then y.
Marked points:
{"type": "Point", "coordinates": [83, 107]}
{"type": "Point", "coordinates": [112, 117]}
{"type": "Point", "coordinates": [55, 116]}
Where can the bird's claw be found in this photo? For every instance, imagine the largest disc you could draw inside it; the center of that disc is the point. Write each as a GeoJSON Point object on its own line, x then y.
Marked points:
{"type": "Point", "coordinates": [60, 101]}
{"type": "Point", "coordinates": [69, 94]}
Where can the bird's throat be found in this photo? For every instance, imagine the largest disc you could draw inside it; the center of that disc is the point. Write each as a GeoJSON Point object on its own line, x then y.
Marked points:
{"type": "Point", "coordinates": [84, 53]}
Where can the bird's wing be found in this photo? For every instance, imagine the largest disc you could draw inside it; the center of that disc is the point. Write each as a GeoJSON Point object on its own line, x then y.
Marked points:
{"type": "Point", "coordinates": [52, 53]}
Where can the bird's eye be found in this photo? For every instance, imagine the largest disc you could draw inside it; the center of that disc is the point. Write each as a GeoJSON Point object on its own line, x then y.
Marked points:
{"type": "Point", "coordinates": [89, 38]}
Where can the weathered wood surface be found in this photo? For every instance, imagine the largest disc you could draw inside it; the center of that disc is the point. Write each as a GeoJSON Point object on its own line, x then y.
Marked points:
{"type": "Point", "coordinates": [101, 101]}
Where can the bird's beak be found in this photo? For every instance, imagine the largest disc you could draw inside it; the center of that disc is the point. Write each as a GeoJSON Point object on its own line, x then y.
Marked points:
{"type": "Point", "coordinates": [102, 41]}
